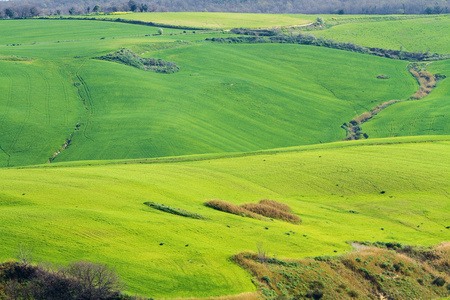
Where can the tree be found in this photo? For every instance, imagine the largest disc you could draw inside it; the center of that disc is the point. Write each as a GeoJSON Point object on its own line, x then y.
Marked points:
{"type": "Point", "coordinates": [96, 8]}
{"type": "Point", "coordinates": [9, 13]}
{"type": "Point", "coordinates": [88, 9]}
{"type": "Point", "coordinates": [160, 31]}
{"type": "Point", "coordinates": [34, 11]}
{"type": "Point", "coordinates": [144, 7]}
{"type": "Point", "coordinates": [132, 5]}
{"type": "Point", "coordinates": [71, 11]}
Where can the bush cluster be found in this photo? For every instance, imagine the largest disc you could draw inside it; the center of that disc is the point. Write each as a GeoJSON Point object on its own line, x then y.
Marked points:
{"type": "Point", "coordinates": [265, 208]}
{"type": "Point", "coordinates": [252, 36]}
{"type": "Point", "coordinates": [175, 211]}
{"type": "Point", "coordinates": [128, 57]}
{"type": "Point", "coordinates": [78, 281]}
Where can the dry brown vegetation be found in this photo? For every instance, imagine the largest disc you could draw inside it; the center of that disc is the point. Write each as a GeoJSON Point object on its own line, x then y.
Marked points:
{"type": "Point", "coordinates": [426, 81]}
{"type": "Point", "coordinates": [280, 206]}
{"type": "Point", "coordinates": [267, 208]}
{"type": "Point", "coordinates": [271, 212]}
{"type": "Point", "coordinates": [243, 296]}
{"type": "Point", "coordinates": [232, 209]}
{"type": "Point", "coordinates": [368, 273]}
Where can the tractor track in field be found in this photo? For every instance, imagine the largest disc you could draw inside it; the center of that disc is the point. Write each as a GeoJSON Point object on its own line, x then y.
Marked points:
{"type": "Point", "coordinates": [88, 104]}
{"type": "Point", "coordinates": [27, 114]}
{"type": "Point", "coordinates": [86, 98]}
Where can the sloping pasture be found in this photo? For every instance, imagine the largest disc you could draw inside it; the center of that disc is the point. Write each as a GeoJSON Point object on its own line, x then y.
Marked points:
{"type": "Point", "coordinates": [384, 191]}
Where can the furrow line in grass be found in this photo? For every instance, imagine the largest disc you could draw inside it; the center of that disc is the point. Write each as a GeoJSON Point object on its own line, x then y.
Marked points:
{"type": "Point", "coordinates": [8, 102]}
{"type": "Point", "coordinates": [27, 114]}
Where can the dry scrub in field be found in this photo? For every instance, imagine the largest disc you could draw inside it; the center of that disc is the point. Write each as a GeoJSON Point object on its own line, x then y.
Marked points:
{"type": "Point", "coordinates": [267, 208]}
{"type": "Point", "coordinates": [271, 212]}
{"type": "Point", "coordinates": [374, 271]}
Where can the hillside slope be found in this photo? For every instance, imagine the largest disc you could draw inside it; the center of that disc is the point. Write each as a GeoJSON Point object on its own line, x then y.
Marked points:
{"type": "Point", "coordinates": [341, 191]}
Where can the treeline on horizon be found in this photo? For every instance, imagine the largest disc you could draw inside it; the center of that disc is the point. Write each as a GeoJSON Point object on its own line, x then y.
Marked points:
{"type": "Point", "coordinates": [32, 8]}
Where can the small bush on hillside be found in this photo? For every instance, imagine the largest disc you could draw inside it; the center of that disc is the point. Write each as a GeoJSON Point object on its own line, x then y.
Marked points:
{"type": "Point", "coordinates": [267, 208]}
{"type": "Point", "coordinates": [128, 57]}
{"type": "Point", "coordinates": [439, 281]}
{"type": "Point", "coordinates": [175, 211]}
{"type": "Point", "coordinates": [271, 212]}
{"type": "Point", "coordinates": [232, 209]}
{"type": "Point", "coordinates": [78, 281]}
{"type": "Point", "coordinates": [280, 206]}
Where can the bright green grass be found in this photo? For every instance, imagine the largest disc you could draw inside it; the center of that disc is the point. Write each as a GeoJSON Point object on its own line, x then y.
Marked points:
{"type": "Point", "coordinates": [229, 98]}
{"type": "Point", "coordinates": [96, 212]}
{"type": "Point", "coordinates": [34, 30]}
{"type": "Point", "coordinates": [38, 111]}
{"type": "Point", "coordinates": [217, 20]}
{"type": "Point", "coordinates": [427, 116]}
{"type": "Point", "coordinates": [414, 35]}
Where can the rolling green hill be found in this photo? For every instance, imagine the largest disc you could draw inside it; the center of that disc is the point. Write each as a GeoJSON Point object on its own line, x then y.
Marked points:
{"type": "Point", "coordinates": [342, 191]}
{"type": "Point", "coordinates": [216, 20]}
{"type": "Point", "coordinates": [226, 98]}
{"type": "Point", "coordinates": [427, 116]}
{"type": "Point", "coordinates": [238, 122]}
{"type": "Point", "coordinates": [413, 35]}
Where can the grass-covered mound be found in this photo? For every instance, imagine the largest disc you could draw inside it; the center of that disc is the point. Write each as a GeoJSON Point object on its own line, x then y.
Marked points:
{"type": "Point", "coordinates": [367, 273]}
{"type": "Point", "coordinates": [129, 58]}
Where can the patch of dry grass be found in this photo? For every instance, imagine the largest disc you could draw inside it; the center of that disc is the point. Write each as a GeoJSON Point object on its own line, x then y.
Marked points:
{"type": "Point", "coordinates": [271, 212]}
{"type": "Point", "coordinates": [265, 208]}
{"type": "Point", "coordinates": [232, 209]}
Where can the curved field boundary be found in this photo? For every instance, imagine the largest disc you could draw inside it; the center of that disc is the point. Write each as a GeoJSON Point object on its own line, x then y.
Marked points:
{"type": "Point", "coordinates": [206, 157]}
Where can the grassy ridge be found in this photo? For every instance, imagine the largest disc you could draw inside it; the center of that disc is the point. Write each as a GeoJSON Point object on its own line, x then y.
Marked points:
{"type": "Point", "coordinates": [426, 116]}
{"type": "Point", "coordinates": [38, 111]}
{"type": "Point", "coordinates": [413, 35]}
{"type": "Point", "coordinates": [274, 93]}
{"type": "Point", "coordinates": [96, 212]}
{"type": "Point", "coordinates": [217, 20]}
{"type": "Point", "coordinates": [31, 31]}
{"type": "Point", "coordinates": [229, 98]}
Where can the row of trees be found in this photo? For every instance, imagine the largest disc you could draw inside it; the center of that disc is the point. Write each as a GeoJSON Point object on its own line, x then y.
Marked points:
{"type": "Point", "coordinates": [27, 8]}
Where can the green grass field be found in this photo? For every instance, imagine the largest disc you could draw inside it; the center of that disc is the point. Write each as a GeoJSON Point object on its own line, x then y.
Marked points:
{"type": "Point", "coordinates": [427, 116]}
{"type": "Point", "coordinates": [97, 213]}
{"type": "Point", "coordinates": [216, 20]}
{"type": "Point", "coordinates": [413, 35]}
{"type": "Point", "coordinates": [239, 122]}
{"type": "Point", "coordinates": [226, 98]}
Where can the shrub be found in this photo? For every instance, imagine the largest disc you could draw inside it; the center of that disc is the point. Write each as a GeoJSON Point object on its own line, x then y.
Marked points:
{"type": "Point", "coordinates": [78, 281]}
{"type": "Point", "coordinates": [175, 211]}
{"type": "Point", "coordinates": [439, 281]}
{"type": "Point", "coordinates": [271, 212]}
{"type": "Point", "coordinates": [128, 57]}
{"type": "Point", "coordinates": [232, 209]}
{"type": "Point", "coordinates": [280, 206]}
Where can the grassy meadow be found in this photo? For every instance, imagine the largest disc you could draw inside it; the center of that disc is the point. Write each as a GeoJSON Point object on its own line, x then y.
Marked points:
{"type": "Point", "coordinates": [97, 213]}
{"type": "Point", "coordinates": [226, 98]}
{"type": "Point", "coordinates": [216, 20]}
{"type": "Point", "coordinates": [421, 34]}
{"type": "Point", "coordinates": [427, 116]}
{"type": "Point", "coordinates": [239, 123]}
